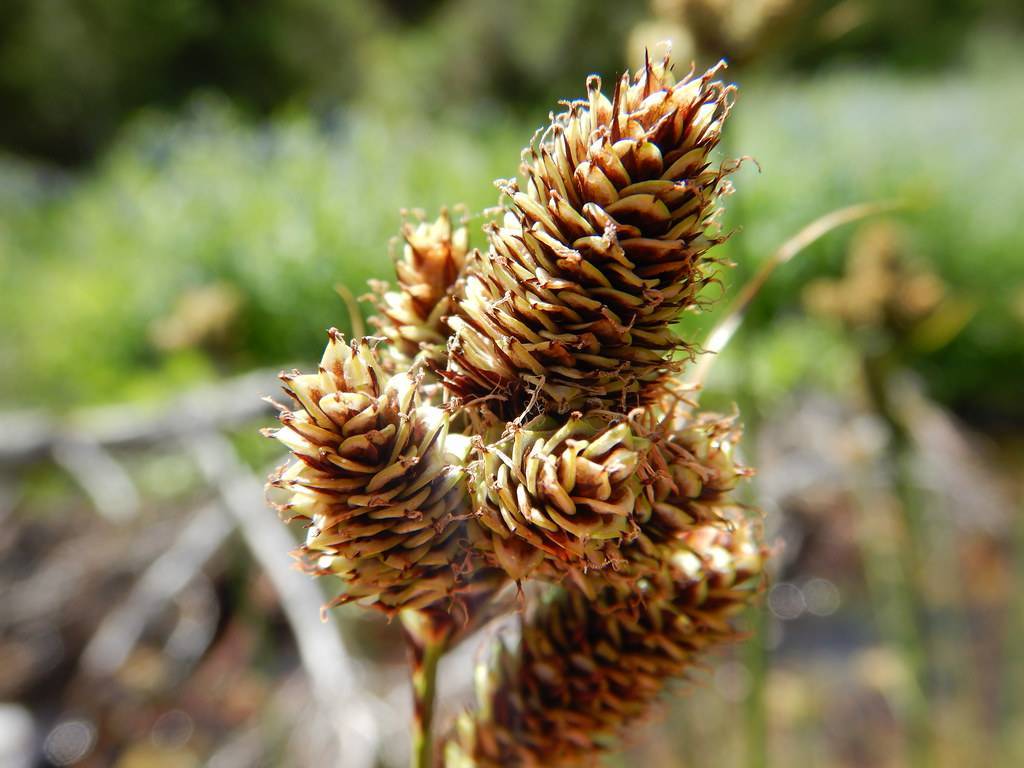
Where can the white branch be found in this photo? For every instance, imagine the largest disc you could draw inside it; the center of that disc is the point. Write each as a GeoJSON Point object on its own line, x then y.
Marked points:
{"type": "Point", "coordinates": [347, 707]}
{"type": "Point", "coordinates": [104, 480]}
{"type": "Point", "coordinates": [32, 435]}
{"type": "Point", "coordinates": [170, 573]}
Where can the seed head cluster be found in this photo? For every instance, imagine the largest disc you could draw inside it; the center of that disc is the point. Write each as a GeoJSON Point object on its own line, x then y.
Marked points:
{"type": "Point", "coordinates": [518, 419]}
{"type": "Point", "coordinates": [573, 302]}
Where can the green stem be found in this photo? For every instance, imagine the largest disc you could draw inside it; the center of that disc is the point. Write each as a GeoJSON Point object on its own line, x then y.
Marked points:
{"type": "Point", "coordinates": [427, 636]}
{"type": "Point", "coordinates": [756, 654]}
{"type": "Point", "coordinates": [756, 647]}
{"type": "Point", "coordinates": [912, 625]}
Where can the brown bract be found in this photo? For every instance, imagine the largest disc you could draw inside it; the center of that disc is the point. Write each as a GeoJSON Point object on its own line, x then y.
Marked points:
{"type": "Point", "coordinates": [571, 306]}
{"type": "Point", "coordinates": [377, 477]}
{"type": "Point", "coordinates": [584, 670]}
{"type": "Point", "coordinates": [686, 479]}
{"type": "Point", "coordinates": [560, 491]}
{"type": "Point", "coordinates": [411, 318]}
{"type": "Point", "coordinates": [694, 471]}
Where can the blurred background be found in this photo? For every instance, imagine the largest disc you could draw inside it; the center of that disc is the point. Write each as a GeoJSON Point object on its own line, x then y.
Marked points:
{"type": "Point", "coordinates": [184, 182]}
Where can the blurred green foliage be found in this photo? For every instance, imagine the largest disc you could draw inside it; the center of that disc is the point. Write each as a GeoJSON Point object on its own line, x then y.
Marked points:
{"type": "Point", "coordinates": [951, 149]}
{"type": "Point", "coordinates": [204, 241]}
{"type": "Point", "coordinates": [71, 71]}
{"type": "Point", "coordinates": [282, 212]}
{"type": "Point", "coordinates": [908, 34]}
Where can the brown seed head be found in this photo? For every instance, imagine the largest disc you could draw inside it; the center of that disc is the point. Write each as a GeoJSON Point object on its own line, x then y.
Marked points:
{"type": "Point", "coordinates": [687, 479]}
{"type": "Point", "coordinates": [586, 668]}
{"type": "Point", "coordinates": [559, 490]}
{"type": "Point", "coordinates": [571, 305]}
{"type": "Point", "coordinates": [411, 318]}
{"type": "Point", "coordinates": [377, 476]}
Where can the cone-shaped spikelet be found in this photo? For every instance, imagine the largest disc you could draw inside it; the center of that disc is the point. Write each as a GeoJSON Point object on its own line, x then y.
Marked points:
{"type": "Point", "coordinates": [688, 476]}
{"type": "Point", "coordinates": [584, 669]}
{"type": "Point", "coordinates": [559, 490]}
{"type": "Point", "coordinates": [571, 305]}
{"type": "Point", "coordinates": [432, 256]}
{"type": "Point", "coordinates": [694, 472]}
{"type": "Point", "coordinates": [378, 478]}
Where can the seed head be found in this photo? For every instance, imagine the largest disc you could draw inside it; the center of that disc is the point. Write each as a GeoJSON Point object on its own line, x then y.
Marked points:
{"type": "Point", "coordinates": [586, 668]}
{"type": "Point", "coordinates": [559, 490]}
{"type": "Point", "coordinates": [412, 317]}
{"type": "Point", "coordinates": [559, 451]}
{"type": "Point", "coordinates": [687, 476]}
{"type": "Point", "coordinates": [377, 476]}
{"type": "Point", "coordinates": [571, 306]}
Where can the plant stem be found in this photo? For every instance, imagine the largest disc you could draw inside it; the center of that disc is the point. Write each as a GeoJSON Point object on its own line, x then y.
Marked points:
{"type": "Point", "coordinates": [756, 654]}
{"type": "Point", "coordinates": [424, 677]}
{"type": "Point", "coordinates": [427, 636]}
{"type": "Point", "coordinates": [912, 629]}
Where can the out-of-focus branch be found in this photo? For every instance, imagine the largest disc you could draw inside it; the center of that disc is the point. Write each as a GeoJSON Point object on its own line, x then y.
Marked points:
{"type": "Point", "coordinates": [31, 436]}
{"type": "Point", "coordinates": [170, 573]}
{"type": "Point", "coordinates": [80, 443]}
{"type": "Point", "coordinates": [101, 476]}
{"type": "Point", "coordinates": [347, 706]}
{"type": "Point", "coordinates": [10, 493]}
{"type": "Point", "coordinates": [912, 627]}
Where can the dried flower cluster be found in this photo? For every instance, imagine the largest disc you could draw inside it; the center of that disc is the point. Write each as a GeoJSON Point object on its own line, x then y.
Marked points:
{"type": "Point", "coordinates": [572, 304]}
{"type": "Point", "coordinates": [584, 665]}
{"type": "Point", "coordinates": [518, 420]}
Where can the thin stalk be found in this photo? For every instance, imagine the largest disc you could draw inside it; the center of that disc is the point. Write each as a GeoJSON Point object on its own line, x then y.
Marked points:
{"type": "Point", "coordinates": [727, 327]}
{"type": "Point", "coordinates": [913, 634]}
{"type": "Point", "coordinates": [755, 706]}
{"type": "Point", "coordinates": [426, 635]}
{"type": "Point", "coordinates": [755, 648]}
{"type": "Point", "coordinates": [424, 683]}
{"type": "Point", "coordinates": [355, 317]}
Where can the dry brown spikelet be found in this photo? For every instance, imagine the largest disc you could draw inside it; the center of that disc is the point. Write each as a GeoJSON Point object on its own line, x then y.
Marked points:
{"type": "Point", "coordinates": [560, 491]}
{"type": "Point", "coordinates": [688, 475]}
{"type": "Point", "coordinates": [411, 318]}
{"type": "Point", "coordinates": [585, 668]}
{"type": "Point", "coordinates": [378, 478]}
{"type": "Point", "coordinates": [571, 306]}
